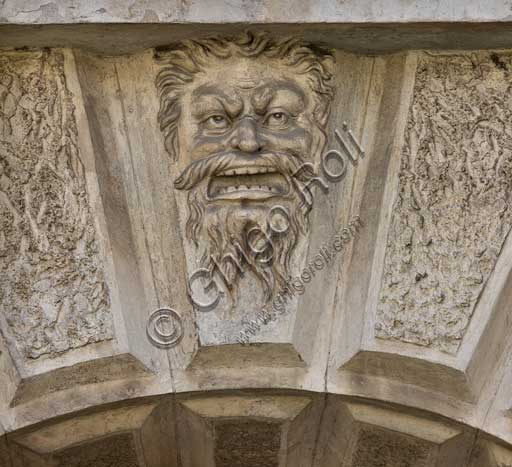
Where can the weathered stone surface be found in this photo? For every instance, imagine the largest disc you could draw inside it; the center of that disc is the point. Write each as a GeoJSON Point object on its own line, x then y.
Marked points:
{"type": "Point", "coordinates": [90, 372]}
{"type": "Point", "coordinates": [108, 452]}
{"type": "Point", "coordinates": [268, 11]}
{"type": "Point", "coordinates": [379, 447]}
{"type": "Point", "coordinates": [122, 38]}
{"type": "Point", "coordinates": [314, 387]}
{"type": "Point", "coordinates": [489, 454]}
{"type": "Point", "coordinates": [248, 430]}
{"type": "Point", "coordinates": [4, 454]}
{"type": "Point", "coordinates": [452, 213]}
{"type": "Point", "coordinates": [53, 294]}
{"type": "Point", "coordinates": [251, 443]}
{"type": "Point", "coordinates": [252, 430]}
{"type": "Point", "coordinates": [355, 434]}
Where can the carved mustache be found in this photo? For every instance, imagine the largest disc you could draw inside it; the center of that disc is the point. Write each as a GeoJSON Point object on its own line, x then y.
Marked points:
{"type": "Point", "coordinates": [285, 163]}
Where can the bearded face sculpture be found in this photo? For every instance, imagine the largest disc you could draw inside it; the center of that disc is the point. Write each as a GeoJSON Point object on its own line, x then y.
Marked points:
{"type": "Point", "coordinates": [241, 117]}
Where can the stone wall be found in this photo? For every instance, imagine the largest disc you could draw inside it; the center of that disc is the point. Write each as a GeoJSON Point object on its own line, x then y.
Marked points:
{"type": "Point", "coordinates": [253, 247]}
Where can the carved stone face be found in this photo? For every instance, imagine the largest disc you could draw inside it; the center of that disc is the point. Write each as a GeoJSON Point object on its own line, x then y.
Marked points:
{"type": "Point", "coordinates": [245, 127]}
{"type": "Point", "coordinates": [248, 109]}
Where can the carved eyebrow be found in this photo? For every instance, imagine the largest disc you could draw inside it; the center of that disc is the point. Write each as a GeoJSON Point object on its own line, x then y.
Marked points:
{"type": "Point", "coordinates": [270, 93]}
{"type": "Point", "coordinates": [207, 94]}
{"type": "Point", "coordinates": [261, 98]}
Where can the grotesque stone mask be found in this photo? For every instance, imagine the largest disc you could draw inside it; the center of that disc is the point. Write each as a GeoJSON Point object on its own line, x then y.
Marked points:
{"type": "Point", "coordinates": [240, 117]}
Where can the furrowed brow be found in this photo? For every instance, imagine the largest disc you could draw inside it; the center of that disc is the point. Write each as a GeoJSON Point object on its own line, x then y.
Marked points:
{"type": "Point", "coordinates": [208, 96]}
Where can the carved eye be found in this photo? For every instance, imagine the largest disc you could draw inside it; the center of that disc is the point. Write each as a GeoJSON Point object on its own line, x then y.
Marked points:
{"type": "Point", "coordinates": [277, 119]}
{"type": "Point", "coordinates": [217, 122]}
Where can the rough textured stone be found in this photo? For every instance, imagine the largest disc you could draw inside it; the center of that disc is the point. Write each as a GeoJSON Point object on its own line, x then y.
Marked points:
{"type": "Point", "coordinates": [249, 443]}
{"type": "Point", "coordinates": [118, 451]}
{"type": "Point", "coordinates": [4, 454]}
{"type": "Point", "coordinates": [155, 11]}
{"type": "Point", "coordinates": [53, 294]}
{"type": "Point", "coordinates": [452, 213]}
{"type": "Point", "coordinates": [378, 448]}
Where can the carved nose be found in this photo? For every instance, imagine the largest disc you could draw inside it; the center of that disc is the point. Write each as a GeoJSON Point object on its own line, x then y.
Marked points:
{"type": "Point", "coordinates": [246, 138]}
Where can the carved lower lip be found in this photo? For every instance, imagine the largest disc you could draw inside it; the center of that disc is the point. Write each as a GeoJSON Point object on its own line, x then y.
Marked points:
{"type": "Point", "coordinates": [247, 183]}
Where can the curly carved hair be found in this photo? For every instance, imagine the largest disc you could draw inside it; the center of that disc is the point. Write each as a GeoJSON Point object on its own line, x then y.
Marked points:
{"type": "Point", "coordinates": [184, 60]}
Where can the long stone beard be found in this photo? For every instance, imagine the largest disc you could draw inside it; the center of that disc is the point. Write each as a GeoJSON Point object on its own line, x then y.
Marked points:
{"type": "Point", "coordinates": [238, 239]}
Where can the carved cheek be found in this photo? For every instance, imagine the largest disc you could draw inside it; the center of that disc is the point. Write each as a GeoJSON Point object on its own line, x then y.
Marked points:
{"type": "Point", "coordinates": [296, 140]}
{"type": "Point", "coordinates": [206, 145]}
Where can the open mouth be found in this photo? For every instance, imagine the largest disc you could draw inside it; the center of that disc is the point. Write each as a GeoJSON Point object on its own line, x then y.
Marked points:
{"type": "Point", "coordinates": [250, 182]}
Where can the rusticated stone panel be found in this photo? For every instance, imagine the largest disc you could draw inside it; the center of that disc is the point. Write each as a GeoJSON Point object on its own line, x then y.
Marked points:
{"type": "Point", "coordinates": [53, 294]}
{"type": "Point", "coordinates": [377, 448]}
{"type": "Point", "coordinates": [453, 210]}
{"type": "Point", "coordinates": [247, 443]}
{"type": "Point", "coordinates": [107, 452]}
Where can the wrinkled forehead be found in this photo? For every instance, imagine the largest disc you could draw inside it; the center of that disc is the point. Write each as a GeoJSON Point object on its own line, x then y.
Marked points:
{"type": "Point", "coordinates": [259, 81]}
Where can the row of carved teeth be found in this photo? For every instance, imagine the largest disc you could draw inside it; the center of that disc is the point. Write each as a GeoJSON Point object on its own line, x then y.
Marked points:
{"type": "Point", "coordinates": [248, 171]}
{"type": "Point", "coordinates": [232, 189]}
